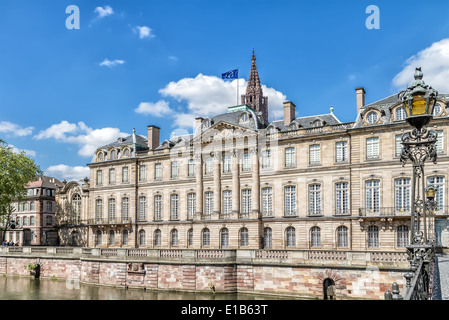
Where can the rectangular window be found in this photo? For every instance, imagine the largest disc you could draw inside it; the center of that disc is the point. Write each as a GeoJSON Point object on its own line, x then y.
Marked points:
{"type": "Point", "coordinates": [267, 202]}
{"type": "Point", "coordinates": [142, 173]}
{"type": "Point", "coordinates": [209, 203]}
{"type": "Point", "coordinates": [342, 198]}
{"type": "Point", "coordinates": [111, 209]}
{"type": "Point", "coordinates": [158, 208]}
{"type": "Point", "coordinates": [111, 176]}
{"type": "Point", "coordinates": [246, 201]}
{"type": "Point", "coordinates": [142, 208]}
{"type": "Point", "coordinates": [439, 143]}
{"type": "Point", "coordinates": [341, 151]}
{"type": "Point", "coordinates": [372, 196]}
{"type": "Point", "coordinates": [191, 205]}
{"type": "Point", "coordinates": [266, 159]}
{"type": "Point", "coordinates": [174, 207]}
{"type": "Point", "coordinates": [227, 160]}
{"type": "Point", "coordinates": [314, 154]}
{"type": "Point", "coordinates": [99, 209]}
{"type": "Point", "coordinates": [158, 171]}
{"type": "Point", "coordinates": [398, 145]}
{"type": "Point", "coordinates": [209, 166]}
{"type": "Point", "coordinates": [99, 177]}
{"type": "Point", "coordinates": [290, 201]}
{"type": "Point", "coordinates": [246, 165]}
{"type": "Point", "coordinates": [372, 148]}
{"type": "Point", "coordinates": [125, 176]}
{"type": "Point", "coordinates": [315, 199]}
{"type": "Point", "coordinates": [174, 169]}
{"type": "Point", "coordinates": [191, 168]}
{"type": "Point", "coordinates": [438, 182]}
{"type": "Point", "coordinates": [125, 209]}
{"type": "Point", "coordinates": [227, 202]}
{"type": "Point", "coordinates": [290, 157]}
{"type": "Point", "coordinates": [402, 194]}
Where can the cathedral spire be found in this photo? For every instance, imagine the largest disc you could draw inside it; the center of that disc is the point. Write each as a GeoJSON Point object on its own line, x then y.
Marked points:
{"type": "Point", "coordinates": [254, 94]}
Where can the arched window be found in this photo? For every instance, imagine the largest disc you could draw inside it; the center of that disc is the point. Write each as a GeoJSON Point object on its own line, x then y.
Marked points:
{"type": "Point", "coordinates": [373, 237]}
{"type": "Point", "coordinates": [111, 238]}
{"type": "Point", "coordinates": [244, 238]}
{"type": "Point", "coordinates": [142, 237]}
{"type": "Point", "coordinates": [76, 207]}
{"type": "Point", "coordinates": [206, 237]}
{"type": "Point", "coordinates": [111, 209]}
{"type": "Point", "coordinates": [402, 236]}
{"type": "Point", "coordinates": [267, 237]}
{"type": "Point", "coordinates": [342, 237]}
{"type": "Point", "coordinates": [436, 110]}
{"type": "Point", "coordinates": [244, 117]}
{"type": "Point", "coordinates": [113, 155]}
{"type": "Point", "coordinates": [157, 237]}
{"type": "Point", "coordinates": [372, 117]}
{"type": "Point", "coordinates": [174, 237]}
{"type": "Point", "coordinates": [125, 237]}
{"type": "Point", "coordinates": [190, 238]}
{"type": "Point", "coordinates": [290, 237]}
{"type": "Point", "coordinates": [224, 238]}
{"type": "Point", "coordinates": [98, 238]}
{"type": "Point", "coordinates": [315, 236]}
{"type": "Point", "coordinates": [99, 210]}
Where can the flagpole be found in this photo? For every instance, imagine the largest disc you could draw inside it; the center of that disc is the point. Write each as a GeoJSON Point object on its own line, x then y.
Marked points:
{"type": "Point", "coordinates": [238, 77]}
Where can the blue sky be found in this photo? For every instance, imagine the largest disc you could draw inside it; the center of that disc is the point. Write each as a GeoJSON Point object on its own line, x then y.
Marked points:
{"type": "Point", "coordinates": [138, 63]}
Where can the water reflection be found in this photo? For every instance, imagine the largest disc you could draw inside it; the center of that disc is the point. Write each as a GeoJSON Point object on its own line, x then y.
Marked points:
{"type": "Point", "coordinates": [18, 288]}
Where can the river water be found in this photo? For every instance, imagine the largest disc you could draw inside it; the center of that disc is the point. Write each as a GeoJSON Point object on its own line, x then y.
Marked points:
{"type": "Point", "coordinates": [24, 288]}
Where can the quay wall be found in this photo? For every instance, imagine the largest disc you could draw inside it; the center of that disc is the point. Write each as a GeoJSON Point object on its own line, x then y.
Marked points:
{"type": "Point", "coordinates": [356, 275]}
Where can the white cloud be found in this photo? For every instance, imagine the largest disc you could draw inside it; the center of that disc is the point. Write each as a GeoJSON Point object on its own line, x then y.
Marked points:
{"type": "Point", "coordinates": [108, 63]}
{"type": "Point", "coordinates": [66, 172]}
{"type": "Point", "coordinates": [210, 95]}
{"type": "Point", "coordinates": [15, 129]}
{"type": "Point", "coordinates": [30, 153]}
{"type": "Point", "coordinates": [158, 109]}
{"type": "Point", "coordinates": [87, 139]}
{"type": "Point", "coordinates": [434, 62]}
{"type": "Point", "coordinates": [144, 32]}
{"type": "Point", "coordinates": [104, 11]}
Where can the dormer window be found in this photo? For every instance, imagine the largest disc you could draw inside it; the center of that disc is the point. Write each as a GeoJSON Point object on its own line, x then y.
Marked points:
{"type": "Point", "coordinates": [372, 117]}
{"type": "Point", "coordinates": [126, 152]}
{"type": "Point", "coordinates": [244, 118]}
{"type": "Point", "coordinates": [100, 156]}
{"type": "Point", "coordinates": [436, 110]}
{"type": "Point", "coordinates": [113, 155]}
{"type": "Point", "coordinates": [400, 114]}
{"type": "Point", "coordinates": [206, 123]}
{"type": "Point", "coordinates": [317, 123]}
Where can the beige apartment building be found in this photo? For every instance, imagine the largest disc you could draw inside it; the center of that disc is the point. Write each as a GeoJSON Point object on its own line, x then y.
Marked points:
{"type": "Point", "coordinates": [241, 182]}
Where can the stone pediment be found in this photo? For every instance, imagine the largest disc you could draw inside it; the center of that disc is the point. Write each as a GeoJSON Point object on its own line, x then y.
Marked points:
{"type": "Point", "coordinates": [224, 131]}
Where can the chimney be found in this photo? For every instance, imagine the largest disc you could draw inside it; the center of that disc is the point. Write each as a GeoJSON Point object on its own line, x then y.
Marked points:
{"type": "Point", "coordinates": [153, 137]}
{"type": "Point", "coordinates": [360, 99]}
{"type": "Point", "coordinates": [289, 112]}
{"type": "Point", "coordinates": [198, 122]}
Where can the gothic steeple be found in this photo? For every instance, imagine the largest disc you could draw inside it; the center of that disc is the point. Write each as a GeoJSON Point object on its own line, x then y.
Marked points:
{"type": "Point", "coordinates": [254, 94]}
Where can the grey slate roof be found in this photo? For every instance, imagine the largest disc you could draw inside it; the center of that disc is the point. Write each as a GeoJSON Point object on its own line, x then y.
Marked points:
{"type": "Point", "coordinates": [307, 122]}
{"type": "Point", "coordinates": [141, 142]}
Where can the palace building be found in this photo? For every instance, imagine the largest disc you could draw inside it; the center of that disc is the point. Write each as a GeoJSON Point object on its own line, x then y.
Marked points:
{"type": "Point", "coordinates": [242, 182]}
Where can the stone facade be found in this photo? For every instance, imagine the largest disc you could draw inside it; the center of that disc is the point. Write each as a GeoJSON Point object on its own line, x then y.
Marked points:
{"type": "Point", "coordinates": [238, 182]}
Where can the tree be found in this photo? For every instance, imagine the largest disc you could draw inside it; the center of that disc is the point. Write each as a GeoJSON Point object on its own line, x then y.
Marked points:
{"type": "Point", "coordinates": [16, 170]}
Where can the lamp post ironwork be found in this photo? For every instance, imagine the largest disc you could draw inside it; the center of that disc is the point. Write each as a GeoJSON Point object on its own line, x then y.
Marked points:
{"type": "Point", "coordinates": [418, 146]}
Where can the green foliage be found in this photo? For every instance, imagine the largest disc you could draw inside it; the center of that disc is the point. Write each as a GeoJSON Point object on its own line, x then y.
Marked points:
{"type": "Point", "coordinates": [31, 266]}
{"type": "Point", "coordinates": [16, 170]}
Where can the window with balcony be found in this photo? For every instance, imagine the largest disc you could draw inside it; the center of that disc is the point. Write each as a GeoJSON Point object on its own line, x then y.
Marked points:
{"type": "Point", "coordinates": [174, 207]}
{"type": "Point", "coordinates": [209, 198]}
{"type": "Point", "coordinates": [402, 199]}
{"type": "Point", "coordinates": [246, 201]}
{"type": "Point", "coordinates": [125, 209]}
{"type": "Point", "coordinates": [267, 202]}
{"type": "Point", "coordinates": [372, 196]}
{"type": "Point", "coordinates": [191, 205]}
{"type": "Point", "coordinates": [142, 208]}
{"type": "Point", "coordinates": [111, 209]}
{"type": "Point", "coordinates": [98, 209]}
{"type": "Point", "coordinates": [315, 199]}
{"type": "Point", "coordinates": [158, 207]}
{"type": "Point", "coordinates": [439, 183]}
{"type": "Point", "coordinates": [227, 202]}
{"type": "Point", "coordinates": [342, 198]}
{"type": "Point", "coordinates": [290, 201]}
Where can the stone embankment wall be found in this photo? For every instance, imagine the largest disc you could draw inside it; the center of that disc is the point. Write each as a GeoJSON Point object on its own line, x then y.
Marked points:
{"type": "Point", "coordinates": [362, 275]}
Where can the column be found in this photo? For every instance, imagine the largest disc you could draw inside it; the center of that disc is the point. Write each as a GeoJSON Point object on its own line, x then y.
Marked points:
{"type": "Point", "coordinates": [235, 186]}
{"type": "Point", "coordinates": [199, 185]}
{"type": "Point", "coordinates": [217, 185]}
{"type": "Point", "coordinates": [255, 194]}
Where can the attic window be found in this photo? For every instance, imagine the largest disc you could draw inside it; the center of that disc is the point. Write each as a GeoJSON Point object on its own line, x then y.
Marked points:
{"type": "Point", "coordinates": [244, 118]}
{"type": "Point", "coordinates": [121, 139]}
{"type": "Point", "coordinates": [372, 117]}
{"type": "Point", "coordinates": [206, 123]}
{"type": "Point", "coordinates": [317, 123]}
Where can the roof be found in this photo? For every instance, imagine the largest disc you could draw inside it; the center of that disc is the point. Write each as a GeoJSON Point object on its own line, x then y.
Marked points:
{"type": "Point", "coordinates": [44, 182]}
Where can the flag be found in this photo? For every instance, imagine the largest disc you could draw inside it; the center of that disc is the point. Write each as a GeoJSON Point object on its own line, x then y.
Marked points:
{"type": "Point", "coordinates": [233, 74]}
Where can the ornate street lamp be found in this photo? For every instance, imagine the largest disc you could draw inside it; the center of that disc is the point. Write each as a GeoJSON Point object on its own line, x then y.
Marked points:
{"type": "Point", "coordinates": [419, 145]}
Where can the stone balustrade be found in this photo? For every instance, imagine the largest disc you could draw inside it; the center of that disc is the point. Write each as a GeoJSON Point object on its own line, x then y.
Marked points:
{"type": "Point", "coordinates": [272, 257]}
